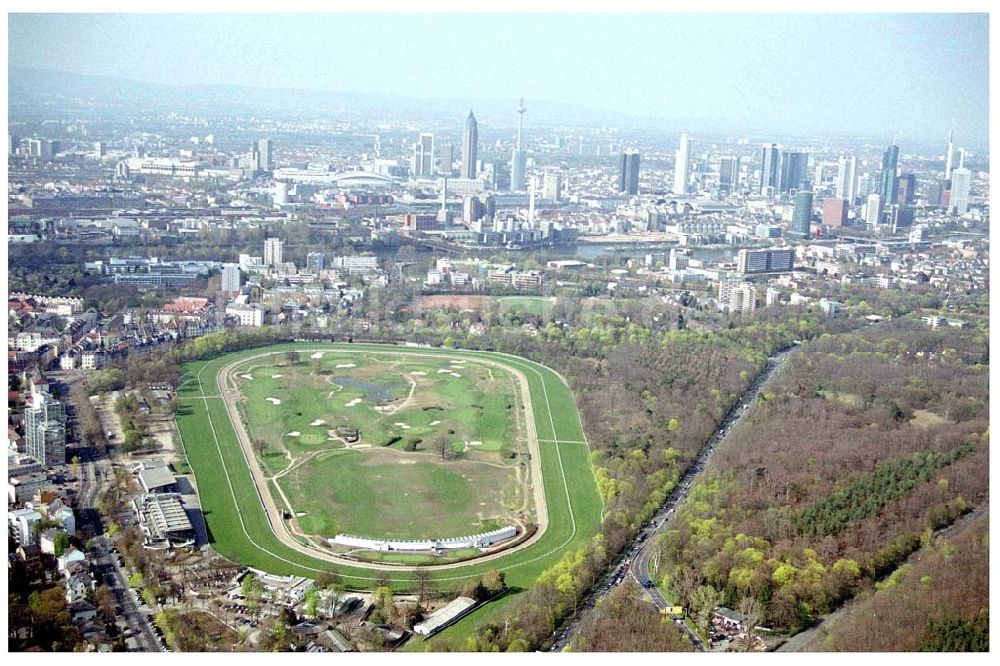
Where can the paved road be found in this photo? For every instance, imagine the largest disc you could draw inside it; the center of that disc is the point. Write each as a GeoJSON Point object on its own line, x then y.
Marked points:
{"type": "Point", "coordinates": [111, 573]}
{"type": "Point", "coordinates": [635, 562]}
{"type": "Point", "coordinates": [806, 640]}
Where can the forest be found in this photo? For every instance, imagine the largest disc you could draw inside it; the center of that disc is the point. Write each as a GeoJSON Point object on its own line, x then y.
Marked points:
{"type": "Point", "coordinates": [867, 442]}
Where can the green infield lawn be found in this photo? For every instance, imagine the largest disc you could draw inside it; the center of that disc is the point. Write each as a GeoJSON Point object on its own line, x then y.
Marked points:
{"type": "Point", "coordinates": [393, 495]}
{"type": "Point", "coordinates": [239, 528]}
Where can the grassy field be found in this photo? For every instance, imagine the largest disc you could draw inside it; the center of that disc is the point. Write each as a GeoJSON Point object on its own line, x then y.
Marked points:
{"type": "Point", "coordinates": [239, 529]}
{"type": "Point", "coordinates": [394, 482]}
{"type": "Point", "coordinates": [388, 494]}
{"type": "Point", "coordinates": [540, 306]}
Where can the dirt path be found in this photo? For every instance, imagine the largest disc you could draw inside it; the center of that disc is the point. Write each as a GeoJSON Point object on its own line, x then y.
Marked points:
{"type": "Point", "coordinates": [280, 527]}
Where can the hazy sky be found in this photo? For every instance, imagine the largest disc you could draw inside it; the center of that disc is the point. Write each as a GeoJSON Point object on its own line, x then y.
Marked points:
{"type": "Point", "coordinates": [871, 72]}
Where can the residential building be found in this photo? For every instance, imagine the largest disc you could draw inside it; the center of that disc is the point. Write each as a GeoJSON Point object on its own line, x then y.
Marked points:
{"type": "Point", "coordinates": [45, 429]}
{"type": "Point", "coordinates": [273, 251]}
{"type": "Point", "coordinates": [231, 278]}
{"type": "Point", "coordinates": [737, 296]}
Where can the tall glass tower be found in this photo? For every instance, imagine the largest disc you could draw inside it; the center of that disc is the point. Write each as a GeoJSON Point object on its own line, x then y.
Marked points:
{"type": "Point", "coordinates": [470, 146]}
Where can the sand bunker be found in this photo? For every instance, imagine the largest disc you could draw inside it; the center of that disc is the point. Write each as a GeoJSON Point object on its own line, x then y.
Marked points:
{"type": "Point", "coordinates": [455, 374]}
{"type": "Point", "coordinates": [317, 422]}
{"type": "Point", "coordinates": [404, 426]}
{"type": "Point", "coordinates": [445, 370]}
{"type": "Point", "coordinates": [352, 402]}
{"type": "Point", "coordinates": [317, 355]}
{"type": "Point", "coordinates": [247, 376]}
{"type": "Point", "coordinates": [346, 365]}
{"type": "Point", "coordinates": [434, 422]}
{"type": "Point", "coordinates": [294, 433]}
{"type": "Point", "coordinates": [276, 376]}
{"type": "Point", "coordinates": [407, 462]}
{"type": "Point", "coordinates": [477, 443]}
{"type": "Point", "coordinates": [418, 372]}
{"type": "Point", "coordinates": [273, 401]}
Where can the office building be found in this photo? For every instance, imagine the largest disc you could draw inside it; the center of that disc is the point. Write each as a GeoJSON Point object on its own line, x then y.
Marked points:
{"type": "Point", "coordinates": [886, 186]}
{"type": "Point", "coordinates": [262, 156]}
{"type": "Point", "coordinates": [793, 171]}
{"type": "Point", "coordinates": [737, 297]}
{"type": "Point", "coordinates": [873, 210]}
{"type": "Point", "coordinates": [834, 212]}
{"type": "Point", "coordinates": [961, 181]}
{"type": "Point", "coordinates": [45, 429]}
{"type": "Point", "coordinates": [501, 175]}
{"type": "Point", "coordinates": [729, 175]}
{"type": "Point", "coordinates": [766, 261]}
{"type": "Point", "coordinates": [847, 179]}
{"type": "Point", "coordinates": [802, 214]}
{"type": "Point", "coordinates": [273, 251]}
{"type": "Point", "coordinates": [681, 166]}
{"type": "Point", "coordinates": [628, 177]}
{"type": "Point", "coordinates": [231, 278]}
{"type": "Point", "coordinates": [769, 170]}
{"type": "Point", "coordinates": [906, 188]}
{"type": "Point", "coordinates": [949, 153]}
{"type": "Point", "coordinates": [900, 218]}
{"type": "Point", "coordinates": [423, 156]}
{"type": "Point", "coordinates": [552, 186]}
{"type": "Point", "coordinates": [519, 158]}
{"type": "Point", "coordinates": [445, 159]}
{"type": "Point", "coordinates": [470, 147]}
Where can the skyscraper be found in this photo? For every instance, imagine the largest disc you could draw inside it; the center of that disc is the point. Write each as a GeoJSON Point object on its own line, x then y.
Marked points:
{"type": "Point", "coordinates": [769, 169]}
{"type": "Point", "coordinates": [423, 156]}
{"type": "Point", "coordinates": [230, 278]}
{"type": "Point", "coordinates": [847, 178]}
{"type": "Point", "coordinates": [961, 181]}
{"type": "Point", "coordinates": [886, 185]}
{"type": "Point", "coordinates": [681, 166]}
{"type": "Point", "coordinates": [802, 214]}
{"type": "Point", "coordinates": [45, 429]}
{"type": "Point", "coordinates": [906, 187]}
{"type": "Point", "coordinates": [470, 147]}
{"type": "Point", "coordinates": [949, 153]}
{"type": "Point", "coordinates": [729, 174]}
{"type": "Point", "coordinates": [445, 158]}
{"type": "Point", "coordinates": [262, 154]}
{"type": "Point", "coordinates": [873, 210]}
{"type": "Point", "coordinates": [834, 212]}
{"type": "Point", "coordinates": [628, 177]}
{"type": "Point", "coordinates": [519, 158]}
{"type": "Point", "coordinates": [794, 169]}
{"type": "Point", "coordinates": [552, 186]}
{"type": "Point", "coordinates": [273, 250]}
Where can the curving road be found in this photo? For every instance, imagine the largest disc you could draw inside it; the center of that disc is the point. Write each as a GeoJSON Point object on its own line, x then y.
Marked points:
{"type": "Point", "coordinates": [635, 561]}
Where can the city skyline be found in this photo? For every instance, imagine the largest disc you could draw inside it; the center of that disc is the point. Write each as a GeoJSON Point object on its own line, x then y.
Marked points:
{"type": "Point", "coordinates": [919, 97]}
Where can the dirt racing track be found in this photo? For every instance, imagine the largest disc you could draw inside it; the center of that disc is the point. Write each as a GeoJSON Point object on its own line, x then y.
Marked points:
{"type": "Point", "coordinates": [246, 525]}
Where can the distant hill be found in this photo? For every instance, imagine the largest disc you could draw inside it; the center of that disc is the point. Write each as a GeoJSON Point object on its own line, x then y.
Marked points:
{"type": "Point", "coordinates": [32, 88]}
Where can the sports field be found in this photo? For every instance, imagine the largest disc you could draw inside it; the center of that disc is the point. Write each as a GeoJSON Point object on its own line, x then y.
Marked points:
{"type": "Point", "coordinates": [240, 528]}
{"type": "Point", "coordinates": [387, 445]}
